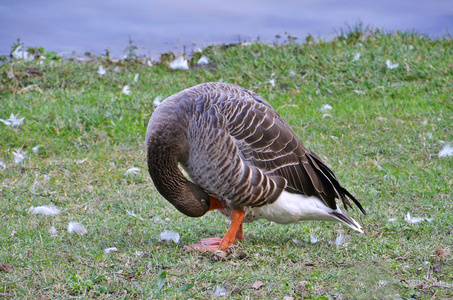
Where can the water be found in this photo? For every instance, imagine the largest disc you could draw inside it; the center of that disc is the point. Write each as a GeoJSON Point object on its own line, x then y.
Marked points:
{"type": "Point", "coordinates": [159, 26]}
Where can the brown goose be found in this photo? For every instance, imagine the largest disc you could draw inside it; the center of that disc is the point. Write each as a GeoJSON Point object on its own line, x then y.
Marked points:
{"type": "Point", "coordinates": [242, 158]}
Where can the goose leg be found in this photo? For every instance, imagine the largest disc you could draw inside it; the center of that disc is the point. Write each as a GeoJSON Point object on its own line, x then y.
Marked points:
{"type": "Point", "coordinates": [233, 233]}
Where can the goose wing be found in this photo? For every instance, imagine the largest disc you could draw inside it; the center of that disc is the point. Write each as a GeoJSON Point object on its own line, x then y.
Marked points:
{"type": "Point", "coordinates": [256, 152]}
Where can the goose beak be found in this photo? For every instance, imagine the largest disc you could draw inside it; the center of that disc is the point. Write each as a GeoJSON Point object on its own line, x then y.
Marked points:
{"type": "Point", "coordinates": [214, 204]}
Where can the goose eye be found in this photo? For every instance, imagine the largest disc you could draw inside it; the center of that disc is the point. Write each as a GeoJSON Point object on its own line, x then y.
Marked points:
{"type": "Point", "coordinates": [203, 201]}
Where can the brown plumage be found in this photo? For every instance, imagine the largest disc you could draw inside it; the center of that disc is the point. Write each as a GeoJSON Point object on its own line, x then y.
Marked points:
{"type": "Point", "coordinates": [236, 149]}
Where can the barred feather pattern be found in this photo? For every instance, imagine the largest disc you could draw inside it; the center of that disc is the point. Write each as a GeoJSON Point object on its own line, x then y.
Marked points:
{"type": "Point", "coordinates": [242, 152]}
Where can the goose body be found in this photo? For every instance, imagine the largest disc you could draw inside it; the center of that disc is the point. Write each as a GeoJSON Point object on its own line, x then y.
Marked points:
{"type": "Point", "coordinates": [242, 158]}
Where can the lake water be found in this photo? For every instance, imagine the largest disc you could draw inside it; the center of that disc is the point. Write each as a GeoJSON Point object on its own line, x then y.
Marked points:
{"type": "Point", "coordinates": [160, 26]}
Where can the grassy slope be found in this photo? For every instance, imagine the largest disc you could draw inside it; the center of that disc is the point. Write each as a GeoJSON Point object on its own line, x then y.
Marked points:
{"type": "Point", "coordinates": [382, 144]}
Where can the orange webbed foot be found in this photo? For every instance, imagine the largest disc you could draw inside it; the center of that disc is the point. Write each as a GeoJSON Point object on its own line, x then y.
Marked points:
{"type": "Point", "coordinates": [234, 232]}
{"type": "Point", "coordinates": [206, 244]}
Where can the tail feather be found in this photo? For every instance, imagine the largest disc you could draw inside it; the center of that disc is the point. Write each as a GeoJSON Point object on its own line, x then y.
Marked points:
{"type": "Point", "coordinates": [346, 219]}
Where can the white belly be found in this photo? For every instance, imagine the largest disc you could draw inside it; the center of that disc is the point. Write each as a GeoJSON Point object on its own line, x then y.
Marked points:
{"type": "Point", "coordinates": [291, 208]}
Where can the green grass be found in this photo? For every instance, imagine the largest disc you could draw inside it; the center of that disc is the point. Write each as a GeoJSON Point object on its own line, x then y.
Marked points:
{"type": "Point", "coordinates": [383, 144]}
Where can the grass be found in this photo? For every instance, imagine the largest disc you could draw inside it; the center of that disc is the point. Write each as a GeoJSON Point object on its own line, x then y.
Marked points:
{"type": "Point", "coordinates": [382, 139]}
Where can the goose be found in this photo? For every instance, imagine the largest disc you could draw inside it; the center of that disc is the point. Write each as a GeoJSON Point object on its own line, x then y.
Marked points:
{"type": "Point", "coordinates": [243, 160]}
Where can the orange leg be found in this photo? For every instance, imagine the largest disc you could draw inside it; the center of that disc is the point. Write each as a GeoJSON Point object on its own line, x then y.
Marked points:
{"type": "Point", "coordinates": [240, 234]}
{"type": "Point", "coordinates": [233, 233]}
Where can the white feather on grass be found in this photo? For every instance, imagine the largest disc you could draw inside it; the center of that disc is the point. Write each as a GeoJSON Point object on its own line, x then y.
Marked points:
{"type": "Point", "coordinates": [359, 92]}
{"type": "Point", "coordinates": [203, 61]}
{"type": "Point", "coordinates": [412, 220]}
{"type": "Point", "coordinates": [2, 164]}
{"type": "Point", "coordinates": [447, 150]}
{"type": "Point", "coordinates": [126, 90]}
{"type": "Point", "coordinates": [77, 228]}
{"type": "Point", "coordinates": [134, 215]}
{"type": "Point", "coordinates": [13, 121]}
{"type": "Point", "coordinates": [53, 231]}
{"type": "Point", "coordinates": [110, 249]}
{"type": "Point", "coordinates": [36, 148]}
{"type": "Point", "coordinates": [356, 57]}
{"type": "Point", "coordinates": [313, 239]}
{"type": "Point", "coordinates": [19, 54]}
{"type": "Point", "coordinates": [101, 71]}
{"type": "Point", "coordinates": [136, 77]}
{"type": "Point", "coordinates": [157, 101]}
{"type": "Point", "coordinates": [219, 291]}
{"type": "Point", "coordinates": [325, 107]}
{"type": "Point", "coordinates": [391, 66]}
{"type": "Point", "coordinates": [19, 156]}
{"type": "Point", "coordinates": [44, 210]}
{"type": "Point", "coordinates": [132, 171]}
{"type": "Point", "coordinates": [179, 64]}
{"type": "Point", "coordinates": [339, 240]}
{"type": "Point", "coordinates": [169, 236]}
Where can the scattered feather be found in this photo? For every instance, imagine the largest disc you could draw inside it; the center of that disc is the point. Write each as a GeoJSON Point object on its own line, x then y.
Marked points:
{"type": "Point", "coordinates": [45, 210]}
{"type": "Point", "coordinates": [149, 63]}
{"type": "Point", "coordinates": [19, 155]}
{"type": "Point", "coordinates": [296, 241]}
{"type": "Point", "coordinates": [134, 215]}
{"type": "Point", "coordinates": [325, 107]}
{"type": "Point", "coordinates": [111, 249]}
{"type": "Point", "coordinates": [179, 63]}
{"type": "Point", "coordinates": [126, 90]}
{"type": "Point", "coordinates": [157, 101]}
{"type": "Point", "coordinates": [77, 228]}
{"type": "Point", "coordinates": [359, 92]}
{"type": "Point", "coordinates": [13, 233]}
{"type": "Point", "coordinates": [446, 151]}
{"type": "Point", "coordinates": [339, 240]}
{"type": "Point", "coordinates": [313, 239]}
{"type": "Point", "coordinates": [53, 231]}
{"type": "Point", "coordinates": [391, 66]}
{"type": "Point", "coordinates": [412, 220]}
{"type": "Point", "coordinates": [356, 57]}
{"type": "Point", "coordinates": [425, 121]}
{"type": "Point", "coordinates": [219, 291]}
{"type": "Point", "coordinates": [203, 61]}
{"type": "Point", "coordinates": [132, 171]}
{"type": "Point", "coordinates": [326, 115]}
{"type": "Point", "coordinates": [2, 164]}
{"type": "Point", "coordinates": [167, 220]}
{"type": "Point", "coordinates": [101, 71]}
{"type": "Point", "coordinates": [383, 282]}
{"type": "Point", "coordinates": [169, 236]}
{"type": "Point", "coordinates": [411, 47]}
{"type": "Point", "coordinates": [271, 82]}
{"type": "Point", "coordinates": [334, 137]}
{"type": "Point", "coordinates": [117, 69]}
{"type": "Point", "coordinates": [136, 77]}
{"type": "Point", "coordinates": [157, 219]}
{"type": "Point", "coordinates": [19, 54]}
{"type": "Point", "coordinates": [13, 121]}
{"type": "Point", "coordinates": [36, 148]}
{"type": "Point", "coordinates": [292, 74]}
{"type": "Point", "coordinates": [392, 219]}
